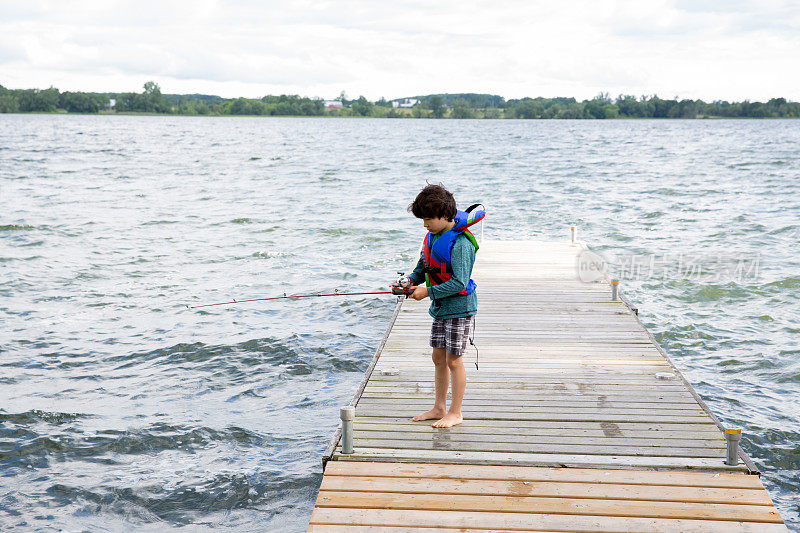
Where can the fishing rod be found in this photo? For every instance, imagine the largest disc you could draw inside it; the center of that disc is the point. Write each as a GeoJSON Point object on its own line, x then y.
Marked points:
{"type": "Point", "coordinates": [402, 288]}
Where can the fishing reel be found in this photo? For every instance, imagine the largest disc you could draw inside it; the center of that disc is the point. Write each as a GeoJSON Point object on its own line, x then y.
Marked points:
{"type": "Point", "coordinates": [402, 286]}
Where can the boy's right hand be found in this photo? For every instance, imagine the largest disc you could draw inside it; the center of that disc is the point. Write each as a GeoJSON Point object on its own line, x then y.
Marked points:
{"type": "Point", "coordinates": [417, 292]}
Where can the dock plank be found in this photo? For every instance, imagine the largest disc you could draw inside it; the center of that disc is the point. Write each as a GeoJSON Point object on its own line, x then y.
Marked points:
{"type": "Point", "coordinates": [561, 505]}
{"type": "Point", "coordinates": [552, 489]}
{"type": "Point", "coordinates": [329, 520]}
{"type": "Point", "coordinates": [551, 458]}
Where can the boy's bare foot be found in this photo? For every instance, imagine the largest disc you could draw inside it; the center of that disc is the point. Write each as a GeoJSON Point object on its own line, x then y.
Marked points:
{"type": "Point", "coordinates": [448, 420]}
{"type": "Point", "coordinates": [427, 415]}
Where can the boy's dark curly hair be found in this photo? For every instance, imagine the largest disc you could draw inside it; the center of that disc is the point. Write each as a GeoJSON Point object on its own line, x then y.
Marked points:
{"type": "Point", "coordinates": [434, 201]}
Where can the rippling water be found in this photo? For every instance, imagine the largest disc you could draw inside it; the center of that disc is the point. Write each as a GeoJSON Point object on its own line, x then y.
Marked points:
{"type": "Point", "coordinates": [122, 409]}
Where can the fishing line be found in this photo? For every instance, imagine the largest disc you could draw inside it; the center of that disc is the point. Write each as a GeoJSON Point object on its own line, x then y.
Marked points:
{"type": "Point", "coordinates": [399, 292]}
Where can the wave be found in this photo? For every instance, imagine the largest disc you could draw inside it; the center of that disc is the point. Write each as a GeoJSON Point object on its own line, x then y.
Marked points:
{"type": "Point", "coordinates": [789, 282]}
{"type": "Point", "coordinates": [35, 415]}
{"type": "Point", "coordinates": [34, 449]}
{"type": "Point", "coordinates": [299, 354]}
{"type": "Point", "coordinates": [188, 503]}
{"type": "Point", "coordinates": [17, 227]}
{"type": "Point", "coordinates": [272, 255]}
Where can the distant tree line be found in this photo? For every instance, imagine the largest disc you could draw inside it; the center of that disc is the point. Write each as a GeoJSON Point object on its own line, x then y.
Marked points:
{"type": "Point", "coordinates": [457, 106]}
{"type": "Point", "coordinates": [50, 101]}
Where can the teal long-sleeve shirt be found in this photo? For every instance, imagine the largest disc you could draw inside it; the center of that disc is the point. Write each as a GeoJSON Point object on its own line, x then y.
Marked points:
{"type": "Point", "coordinates": [445, 300]}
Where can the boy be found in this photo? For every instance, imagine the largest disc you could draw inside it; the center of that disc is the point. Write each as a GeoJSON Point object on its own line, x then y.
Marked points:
{"type": "Point", "coordinates": [445, 264]}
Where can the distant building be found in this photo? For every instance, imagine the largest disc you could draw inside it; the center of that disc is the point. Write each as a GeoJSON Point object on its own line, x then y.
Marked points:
{"type": "Point", "coordinates": [333, 104]}
{"type": "Point", "coordinates": [111, 103]}
{"type": "Point", "coordinates": [406, 102]}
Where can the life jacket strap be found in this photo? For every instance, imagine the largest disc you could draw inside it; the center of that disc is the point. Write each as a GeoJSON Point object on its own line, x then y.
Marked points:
{"type": "Point", "coordinates": [472, 239]}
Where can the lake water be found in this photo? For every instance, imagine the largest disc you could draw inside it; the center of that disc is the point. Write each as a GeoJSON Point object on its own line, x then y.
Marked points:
{"type": "Point", "coordinates": [123, 409]}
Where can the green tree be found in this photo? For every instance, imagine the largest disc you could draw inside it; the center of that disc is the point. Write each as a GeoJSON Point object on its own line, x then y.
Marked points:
{"type": "Point", "coordinates": [436, 105]}
{"type": "Point", "coordinates": [661, 107]}
{"type": "Point", "coordinates": [610, 111]}
{"type": "Point", "coordinates": [595, 108]}
{"type": "Point", "coordinates": [149, 101]}
{"type": "Point", "coordinates": [248, 106]}
{"type": "Point", "coordinates": [201, 108]}
{"type": "Point", "coordinates": [756, 110]}
{"type": "Point", "coordinates": [8, 104]}
{"type": "Point", "coordinates": [362, 107]}
{"type": "Point", "coordinates": [151, 88]}
{"type": "Point", "coordinates": [461, 109]}
{"type": "Point", "coordinates": [629, 107]}
{"type": "Point", "coordinates": [572, 110]}
{"type": "Point", "coordinates": [81, 102]}
{"type": "Point", "coordinates": [603, 98]}
{"type": "Point", "coordinates": [123, 100]}
{"type": "Point", "coordinates": [34, 100]}
{"type": "Point", "coordinates": [529, 108]}
{"type": "Point", "coordinates": [153, 101]}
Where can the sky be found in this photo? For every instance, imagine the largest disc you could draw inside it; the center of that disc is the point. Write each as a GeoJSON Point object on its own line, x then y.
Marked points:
{"type": "Point", "coordinates": [709, 49]}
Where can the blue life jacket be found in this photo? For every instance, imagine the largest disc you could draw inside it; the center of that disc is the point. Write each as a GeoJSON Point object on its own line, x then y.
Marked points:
{"type": "Point", "coordinates": [438, 268]}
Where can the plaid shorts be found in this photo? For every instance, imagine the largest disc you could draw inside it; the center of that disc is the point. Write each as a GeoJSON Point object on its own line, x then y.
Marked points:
{"type": "Point", "coordinates": [451, 334]}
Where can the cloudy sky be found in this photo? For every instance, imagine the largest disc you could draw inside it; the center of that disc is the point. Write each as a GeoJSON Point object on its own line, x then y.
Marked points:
{"type": "Point", "coordinates": [709, 49]}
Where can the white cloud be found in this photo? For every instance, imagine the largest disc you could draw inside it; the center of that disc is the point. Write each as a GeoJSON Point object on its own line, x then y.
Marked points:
{"type": "Point", "coordinates": [699, 49]}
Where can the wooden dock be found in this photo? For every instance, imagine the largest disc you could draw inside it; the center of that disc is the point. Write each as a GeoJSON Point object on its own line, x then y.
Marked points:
{"type": "Point", "coordinates": [576, 420]}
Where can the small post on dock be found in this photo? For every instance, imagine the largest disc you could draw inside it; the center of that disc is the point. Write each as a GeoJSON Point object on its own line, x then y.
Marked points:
{"type": "Point", "coordinates": [732, 436]}
{"type": "Point", "coordinates": [614, 290]}
{"type": "Point", "coordinates": [574, 231]}
{"type": "Point", "coordinates": [347, 414]}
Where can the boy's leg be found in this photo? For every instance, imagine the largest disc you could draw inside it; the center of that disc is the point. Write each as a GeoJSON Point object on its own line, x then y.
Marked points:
{"type": "Point", "coordinates": [453, 417]}
{"type": "Point", "coordinates": [442, 378]}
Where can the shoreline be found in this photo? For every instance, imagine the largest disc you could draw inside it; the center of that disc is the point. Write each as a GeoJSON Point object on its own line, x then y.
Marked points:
{"type": "Point", "coordinates": [409, 116]}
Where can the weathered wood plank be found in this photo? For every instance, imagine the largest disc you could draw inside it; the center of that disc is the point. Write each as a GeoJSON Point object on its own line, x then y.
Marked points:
{"type": "Point", "coordinates": [552, 447]}
{"type": "Point", "coordinates": [546, 489]}
{"type": "Point", "coordinates": [540, 459]}
{"type": "Point", "coordinates": [541, 357]}
{"type": "Point", "coordinates": [536, 385]}
{"type": "Point", "coordinates": [576, 379]}
{"type": "Point", "coordinates": [539, 354]}
{"type": "Point", "coordinates": [572, 506]}
{"type": "Point", "coordinates": [541, 407]}
{"type": "Point", "coordinates": [527, 372]}
{"type": "Point", "coordinates": [549, 352]}
{"type": "Point", "coordinates": [434, 437]}
{"type": "Point", "coordinates": [501, 434]}
{"type": "Point", "coordinates": [497, 362]}
{"type": "Point", "coordinates": [536, 474]}
{"type": "Point", "coordinates": [521, 425]}
{"type": "Point", "coordinates": [536, 396]}
{"type": "Point", "coordinates": [624, 403]}
{"type": "Point", "coordinates": [559, 329]}
{"type": "Point", "coordinates": [474, 522]}
{"type": "Point", "coordinates": [587, 416]}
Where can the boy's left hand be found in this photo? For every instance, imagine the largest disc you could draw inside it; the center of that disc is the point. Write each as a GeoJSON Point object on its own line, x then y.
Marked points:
{"type": "Point", "coordinates": [419, 293]}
